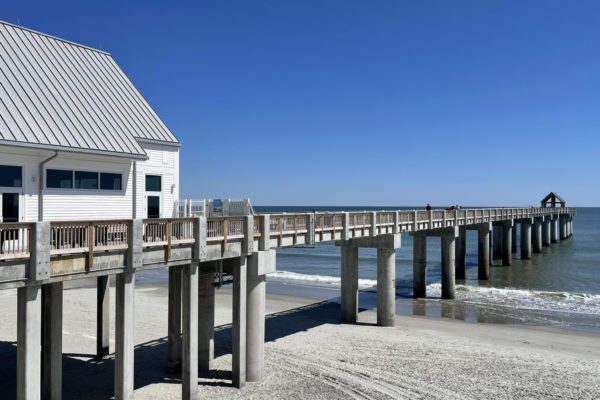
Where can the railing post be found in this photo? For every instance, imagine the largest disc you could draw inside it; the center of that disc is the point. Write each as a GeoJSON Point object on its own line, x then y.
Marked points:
{"type": "Point", "coordinates": [265, 233]}
{"type": "Point", "coordinates": [249, 234]}
{"type": "Point", "coordinates": [225, 231]}
{"type": "Point", "coordinates": [39, 245]}
{"type": "Point", "coordinates": [396, 228]}
{"type": "Point", "coordinates": [169, 238]}
{"type": "Point", "coordinates": [322, 217]}
{"type": "Point", "coordinates": [296, 229]}
{"type": "Point", "coordinates": [90, 245]}
{"type": "Point", "coordinates": [346, 226]}
{"type": "Point", "coordinates": [373, 231]}
{"type": "Point", "coordinates": [310, 229]}
{"type": "Point", "coordinates": [444, 218]}
{"type": "Point", "coordinates": [200, 239]}
{"type": "Point", "coordinates": [415, 220]}
{"type": "Point", "coordinates": [430, 212]}
{"type": "Point", "coordinates": [136, 244]}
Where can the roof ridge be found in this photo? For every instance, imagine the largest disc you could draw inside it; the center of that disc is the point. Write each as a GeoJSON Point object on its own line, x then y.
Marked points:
{"type": "Point", "coordinates": [55, 38]}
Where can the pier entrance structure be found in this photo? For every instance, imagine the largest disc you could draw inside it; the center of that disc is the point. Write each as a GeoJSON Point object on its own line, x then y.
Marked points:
{"type": "Point", "coordinates": [37, 257]}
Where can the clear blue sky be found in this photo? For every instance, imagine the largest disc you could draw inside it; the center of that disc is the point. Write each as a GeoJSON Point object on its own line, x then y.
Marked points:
{"type": "Point", "coordinates": [361, 102]}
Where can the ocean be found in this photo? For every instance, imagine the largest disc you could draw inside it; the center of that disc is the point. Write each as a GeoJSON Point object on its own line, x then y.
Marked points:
{"type": "Point", "coordinates": [558, 288]}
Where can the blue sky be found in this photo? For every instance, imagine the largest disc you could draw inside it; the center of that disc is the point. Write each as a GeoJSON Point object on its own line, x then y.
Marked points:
{"type": "Point", "coordinates": [361, 102]}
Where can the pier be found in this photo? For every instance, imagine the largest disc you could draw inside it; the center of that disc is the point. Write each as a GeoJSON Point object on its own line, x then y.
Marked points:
{"type": "Point", "coordinates": [203, 253]}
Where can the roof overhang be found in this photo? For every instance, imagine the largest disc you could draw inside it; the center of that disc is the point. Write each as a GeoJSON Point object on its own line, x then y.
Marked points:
{"type": "Point", "coordinates": [130, 156]}
{"type": "Point", "coordinates": [160, 142]}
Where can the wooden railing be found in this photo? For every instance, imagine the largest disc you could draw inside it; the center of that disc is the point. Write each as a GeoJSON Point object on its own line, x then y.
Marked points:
{"type": "Point", "coordinates": [76, 237]}
{"type": "Point", "coordinates": [15, 239]}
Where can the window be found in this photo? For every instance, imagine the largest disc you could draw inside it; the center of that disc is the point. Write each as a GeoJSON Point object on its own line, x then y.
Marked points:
{"type": "Point", "coordinates": [153, 183]}
{"type": "Point", "coordinates": [11, 176]}
{"type": "Point", "coordinates": [86, 180]}
{"type": "Point", "coordinates": [153, 207]}
{"type": "Point", "coordinates": [59, 179]}
{"type": "Point", "coordinates": [110, 181]}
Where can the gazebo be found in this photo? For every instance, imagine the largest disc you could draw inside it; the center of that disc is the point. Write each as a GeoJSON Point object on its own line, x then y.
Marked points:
{"type": "Point", "coordinates": [552, 199]}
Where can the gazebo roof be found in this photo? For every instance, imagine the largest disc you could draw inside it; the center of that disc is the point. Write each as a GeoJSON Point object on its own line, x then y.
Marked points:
{"type": "Point", "coordinates": [553, 196]}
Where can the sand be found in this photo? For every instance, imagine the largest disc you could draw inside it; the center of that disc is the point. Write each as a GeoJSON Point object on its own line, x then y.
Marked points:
{"type": "Point", "coordinates": [309, 354]}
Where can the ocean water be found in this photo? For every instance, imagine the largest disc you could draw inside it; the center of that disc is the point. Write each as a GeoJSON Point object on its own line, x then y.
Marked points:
{"type": "Point", "coordinates": [559, 287]}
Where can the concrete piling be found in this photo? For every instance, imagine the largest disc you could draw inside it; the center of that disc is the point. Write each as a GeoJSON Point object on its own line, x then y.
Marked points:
{"type": "Point", "coordinates": [497, 235]}
{"type": "Point", "coordinates": [537, 235]}
{"type": "Point", "coordinates": [386, 286]}
{"type": "Point", "coordinates": [554, 229]}
{"type": "Point", "coordinates": [526, 239]}
{"type": "Point", "coordinates": [255, 327]}
{"type": "Point", "coordinates": [483, 251]}
{"type": "Point", "coordinates": [189, 328]}
{"type": "Point", "coordinates": [260, 264]}
{"type": "Point", "coordinates": [349, 283]}
{"type": "Point", "coordinates": [419, 265]}
{"type": "Point", "coordinates": [239, 323]}
{"type": "Point", "coordinates": [514, 239]}
{"type": "Point", "coordinates": [546, 231]}
{"type": "Point", "coordinates": [102, 316]}
{"type": "Point", "coordinates": [563, 227]}
{"type": "Point", "coordinates": [448, 273]}
{"type": "Point", "coordinates": [461, 254]}
{"type": "Point", "coordinates": [507, 230]}
{"type": "Point", "coordinates": [29, 328]}
{"type": "Point", "coordinates": [52, 322]}
{"type": "Point", "coordinates": [206, 320]}
{"type": "Point", "coordinates": [174, 320]}
{"type": "Point", "coordinates": [124, 368]}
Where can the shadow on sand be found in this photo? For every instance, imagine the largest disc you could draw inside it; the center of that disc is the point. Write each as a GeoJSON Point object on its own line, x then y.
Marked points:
{"type": "Point", "coordinates": [85, 377]}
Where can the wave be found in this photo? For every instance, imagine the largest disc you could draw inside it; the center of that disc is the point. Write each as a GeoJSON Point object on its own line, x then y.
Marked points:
{"type": "Point", "coordinates": [315, 280]}
{"type": "Point", "coordinates": [574, 303]}
{"type": "Point", "coordinates": [537, 300]}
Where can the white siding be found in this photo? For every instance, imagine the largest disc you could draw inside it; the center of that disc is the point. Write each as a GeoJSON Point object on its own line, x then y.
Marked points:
{"type": "Point", "coordinates": [74, 204]}
{"type": "Point", "coordinates": [164, 161]}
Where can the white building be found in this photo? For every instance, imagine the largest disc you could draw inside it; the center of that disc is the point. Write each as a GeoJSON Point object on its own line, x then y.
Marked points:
{"type": "Point", "coordinates": [77, 140]}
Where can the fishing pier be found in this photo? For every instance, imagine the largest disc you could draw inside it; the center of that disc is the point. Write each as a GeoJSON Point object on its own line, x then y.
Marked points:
{"type": "Point", "coordinates": [201, 252]}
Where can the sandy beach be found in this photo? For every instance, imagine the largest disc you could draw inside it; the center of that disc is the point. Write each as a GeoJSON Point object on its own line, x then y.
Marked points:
{"type": "Point", "coordinates": [309, 354]}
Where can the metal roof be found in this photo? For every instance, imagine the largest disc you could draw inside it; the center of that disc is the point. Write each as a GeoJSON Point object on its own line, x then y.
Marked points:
{"type": "Point", "coordinates": [61, 95]}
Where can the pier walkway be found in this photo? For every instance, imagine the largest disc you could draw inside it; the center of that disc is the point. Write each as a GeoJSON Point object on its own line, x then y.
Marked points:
{"type": "Point", "coordinates": [203, 253]}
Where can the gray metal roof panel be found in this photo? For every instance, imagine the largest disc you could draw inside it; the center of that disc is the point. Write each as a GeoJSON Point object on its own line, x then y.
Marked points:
{"type": "Point", "coordinates": [63, 95]}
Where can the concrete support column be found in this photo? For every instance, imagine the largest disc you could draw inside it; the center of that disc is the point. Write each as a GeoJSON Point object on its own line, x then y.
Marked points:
{"type": "Point", "coordinates": [102, 316]}
{"type": "Point", "coordinates": [563, 227]}
{"type": "Point", "coordinates": [255, 327]}
{"type": "Point", "coordinates": [448, 273]}
{"type": "Point", "coordinates": [125, 284]}
{"type": "Point", "coordinates": [189, 328]}
{"type": "Point", "coordinates": [29, 328]}
{"type": "Point", "coordinates": [483, 252]}
{"type": "Point", "coordinates": [461, 254]}
{"type": "Point", "coordinates": [52, 321]}
{"type": "Point", "coordinates": [174, 321]}
{"type": "Point", "coordinates": [546, 231]}
{"type": "Point", "coordinates": [537, 235]}
{"type": "Point", "coordinates": [507, 243]}
{"type": "Point", "coordinates": [239, 323]}
{"type": "Point", "coordinates": [419, 265]}
{"type": "Point", "coordinates": [497, 241]}
{"type": "Point", "coordinates": [349, 295]}
{"type": "Point", "coordinates": [554, 229]}
{"type": "Point", "coordinates": [525, 240]}
{"type": "Point", "coordinates": [514, 238]}
{"type": "Point", "coordinates": [386, 286]}
{"type": "Point", "coordinates": [206, 321]}
{"type": "Point", "coordinates": [570, 226]}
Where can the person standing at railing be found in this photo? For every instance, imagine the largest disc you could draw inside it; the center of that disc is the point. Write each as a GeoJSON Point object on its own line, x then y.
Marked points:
{"type": "Point", "coordinates": [428, 208]}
